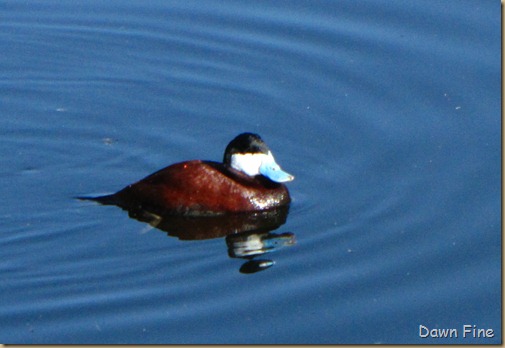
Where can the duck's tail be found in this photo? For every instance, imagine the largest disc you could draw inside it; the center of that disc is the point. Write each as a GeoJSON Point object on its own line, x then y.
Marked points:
{"type": "Point", "coordinates": [105, 200]}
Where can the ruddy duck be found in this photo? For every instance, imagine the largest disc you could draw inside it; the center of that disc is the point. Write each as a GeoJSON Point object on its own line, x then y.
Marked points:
{"type": "Point", "coordinates": [248, 180]}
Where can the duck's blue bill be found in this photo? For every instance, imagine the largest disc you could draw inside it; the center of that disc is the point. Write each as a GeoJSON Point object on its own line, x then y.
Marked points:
{"type": "Point", "coordinates": [273, 171]}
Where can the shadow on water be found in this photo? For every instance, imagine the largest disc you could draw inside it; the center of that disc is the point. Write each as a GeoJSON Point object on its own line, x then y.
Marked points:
{"type": "Point", "coordinates": [248, 235]}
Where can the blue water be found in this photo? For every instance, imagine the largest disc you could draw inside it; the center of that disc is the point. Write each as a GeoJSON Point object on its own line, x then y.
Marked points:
{"type": "Point", "coordinates": [386, 112]}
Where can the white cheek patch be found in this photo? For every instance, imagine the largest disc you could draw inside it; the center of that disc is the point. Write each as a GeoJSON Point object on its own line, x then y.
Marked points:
{"type": "Point", "coordinates": [248, 163]}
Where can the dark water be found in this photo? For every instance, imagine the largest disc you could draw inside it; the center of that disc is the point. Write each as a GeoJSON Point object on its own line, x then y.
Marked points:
{"type": "Point", "coordinates": [387, 113]}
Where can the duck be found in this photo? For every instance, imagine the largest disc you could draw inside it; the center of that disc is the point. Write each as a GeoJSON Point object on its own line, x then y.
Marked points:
{"type": "Point", "coordinates": [247, 180]}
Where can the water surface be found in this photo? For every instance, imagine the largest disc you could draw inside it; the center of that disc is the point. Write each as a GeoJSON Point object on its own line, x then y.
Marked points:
{"type": "Point", "coordinates": [386, 112]}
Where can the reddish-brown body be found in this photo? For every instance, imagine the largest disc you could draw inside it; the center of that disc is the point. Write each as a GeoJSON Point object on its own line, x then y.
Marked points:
{"type": "Point", "coordinates": [205, 188]}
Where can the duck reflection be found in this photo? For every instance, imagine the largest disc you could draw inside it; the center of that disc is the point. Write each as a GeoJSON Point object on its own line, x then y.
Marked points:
{"type": "Point", "coordinates": [249, 245]}
{"type": "Point", "coordinates": [248, 235]}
